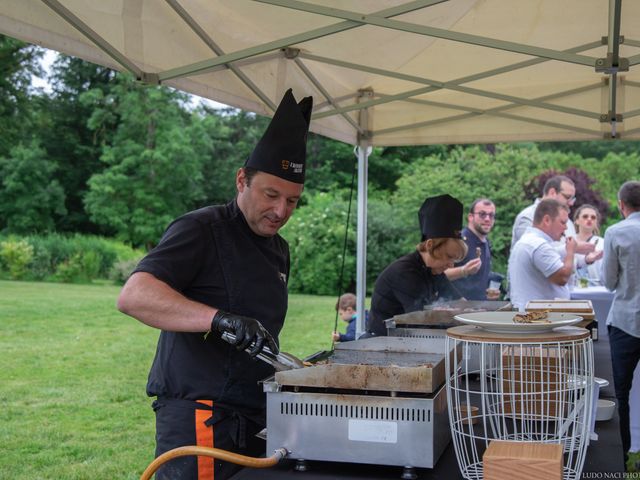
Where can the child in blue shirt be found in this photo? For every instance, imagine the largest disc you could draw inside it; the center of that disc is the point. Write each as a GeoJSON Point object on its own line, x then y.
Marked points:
{"type": "Point", "coordinates": [346, 308]}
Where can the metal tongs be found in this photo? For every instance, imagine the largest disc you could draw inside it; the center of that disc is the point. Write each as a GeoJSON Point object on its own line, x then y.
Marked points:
{"type": "Point", "coordinates": [281, 362]}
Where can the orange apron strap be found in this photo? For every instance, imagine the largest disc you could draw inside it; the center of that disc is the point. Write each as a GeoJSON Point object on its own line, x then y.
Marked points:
{"type": "Point", "coordinates": [204, 438]}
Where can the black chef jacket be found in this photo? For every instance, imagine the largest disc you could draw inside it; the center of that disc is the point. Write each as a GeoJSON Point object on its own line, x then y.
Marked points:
{"type": "Point", "coordinates": [406, 285]}
{"type": "Point", "coordinates": [213, 257]}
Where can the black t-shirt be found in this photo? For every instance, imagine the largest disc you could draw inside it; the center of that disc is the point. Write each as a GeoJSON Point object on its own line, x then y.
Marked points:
{"type": "Point", "coordinates": [406, 285]}
{"type": "Point", "coordinates": [212, 256]}
{"type": "Point", "coordinates": [474, 287]}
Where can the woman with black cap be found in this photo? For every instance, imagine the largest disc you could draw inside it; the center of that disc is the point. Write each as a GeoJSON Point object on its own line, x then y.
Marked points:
{"type": "Point", "coordinates": [417, 279]}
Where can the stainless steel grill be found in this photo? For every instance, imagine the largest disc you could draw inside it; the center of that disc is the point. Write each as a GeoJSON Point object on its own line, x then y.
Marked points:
{"type": "Point", "coordinates": [318, 413]}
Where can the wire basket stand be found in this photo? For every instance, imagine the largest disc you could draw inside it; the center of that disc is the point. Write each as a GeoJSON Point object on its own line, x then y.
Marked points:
{"type": "Point", "coordinates": [530, 388]}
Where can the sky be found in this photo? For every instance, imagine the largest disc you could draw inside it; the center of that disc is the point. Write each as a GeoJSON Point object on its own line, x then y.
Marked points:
{"type": "Point", "coordinates": [50, 56]}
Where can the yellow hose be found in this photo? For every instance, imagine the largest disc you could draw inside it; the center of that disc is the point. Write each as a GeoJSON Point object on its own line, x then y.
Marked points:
{"type": "Point", "coordinates": [225, 455]}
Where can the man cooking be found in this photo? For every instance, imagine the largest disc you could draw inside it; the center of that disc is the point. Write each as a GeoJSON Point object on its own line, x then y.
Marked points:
{"type": "Point", "coordinates": [471, 275]}
{"type": "Point", "coordinates": [416, 280]}
{"type": "Point", "coordinates": [219, 269]}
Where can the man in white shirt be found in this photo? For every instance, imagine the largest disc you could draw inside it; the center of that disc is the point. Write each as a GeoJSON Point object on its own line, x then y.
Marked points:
{"type": "Point", "coordinates": [563, 190]}
{"type": "Point", "coordinates": [537, 270]}
{"type": "Point", "coordinates": [621, 272]}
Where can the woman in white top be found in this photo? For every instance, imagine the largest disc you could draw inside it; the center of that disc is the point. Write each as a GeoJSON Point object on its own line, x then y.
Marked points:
{"type": "Point", "coordinates": [587, 222]}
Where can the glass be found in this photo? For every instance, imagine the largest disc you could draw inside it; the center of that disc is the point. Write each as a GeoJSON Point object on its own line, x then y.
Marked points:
{"type": "Point", "coordinates": [568, 197]}
{"type": "Point", "coordinates": [485, 215]}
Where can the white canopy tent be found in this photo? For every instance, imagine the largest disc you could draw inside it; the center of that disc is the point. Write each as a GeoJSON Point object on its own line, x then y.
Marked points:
{"type": "Point", "coordinates": [382, 72]}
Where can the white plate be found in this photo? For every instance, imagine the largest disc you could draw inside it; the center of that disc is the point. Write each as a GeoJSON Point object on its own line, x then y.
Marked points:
{"type": "Point", "coordinates": [502, 322]}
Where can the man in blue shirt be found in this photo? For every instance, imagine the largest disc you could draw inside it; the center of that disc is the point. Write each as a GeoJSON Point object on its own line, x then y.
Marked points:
{"type": "Point", "coordinates": [621, 272]}
{"type": "Point", "coordinates": [471, 275]}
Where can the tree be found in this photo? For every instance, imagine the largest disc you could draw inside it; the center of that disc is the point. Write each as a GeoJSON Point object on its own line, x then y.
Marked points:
{"type": "Point", "coordinates": [316, 238]}
{"type": "Point", "coordinates": [18, 61]}
{"type": "Point", "coordinates": [153, 164]}
{"type": "Point", "coordinates": [597, 149]}
{"type": "Point", "coordinates": [63, 119]}
{"type": "Point", "coordinates": [231, 136]}
{"type": "Point", "coordinates": [585, 193]}
{"type": "Point", "coordinates": [316, 234]}
{"type": "Point", "coordinates": [470, 173]}
{"type": "Point", "coordinates": [30, 198]}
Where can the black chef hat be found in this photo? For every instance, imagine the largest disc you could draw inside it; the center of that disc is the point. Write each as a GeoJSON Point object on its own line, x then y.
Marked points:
{"type": "Point", "coordinates": [282, 150]}
{"type": "Point", "coordinates": [441, 217]}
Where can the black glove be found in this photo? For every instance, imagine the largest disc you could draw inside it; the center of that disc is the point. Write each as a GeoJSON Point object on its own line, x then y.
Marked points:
{"type": "Point", "coordinates": [246, 331]}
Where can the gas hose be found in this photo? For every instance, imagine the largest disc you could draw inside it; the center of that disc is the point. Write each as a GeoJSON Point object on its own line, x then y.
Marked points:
{"type": "Point", "coordinates": [253, 462]}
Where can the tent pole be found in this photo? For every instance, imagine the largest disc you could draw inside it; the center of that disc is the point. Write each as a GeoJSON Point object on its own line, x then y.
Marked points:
{"type": "Point", "coordinates": [363, 150]}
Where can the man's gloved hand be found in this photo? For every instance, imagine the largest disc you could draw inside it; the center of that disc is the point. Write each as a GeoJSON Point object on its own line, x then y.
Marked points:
{"type": "Point", "coordinates": [246, 331]}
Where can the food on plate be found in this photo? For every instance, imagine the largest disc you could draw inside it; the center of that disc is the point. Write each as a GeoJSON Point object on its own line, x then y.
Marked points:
{"type": "Point", "coordinates": [532, 317]}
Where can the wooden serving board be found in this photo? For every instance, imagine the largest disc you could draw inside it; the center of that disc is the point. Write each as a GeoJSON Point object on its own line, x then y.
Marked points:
{"type": "Point", "coordinates": [509, 460]}
{"type": "Point", "coordinates": [582, 307]}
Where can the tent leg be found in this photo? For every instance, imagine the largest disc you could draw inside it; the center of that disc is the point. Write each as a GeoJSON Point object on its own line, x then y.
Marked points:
{"type": "Point", "coordinates": [361, 242]}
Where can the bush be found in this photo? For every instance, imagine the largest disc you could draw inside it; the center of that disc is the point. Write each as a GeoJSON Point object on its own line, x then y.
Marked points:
{"type": "Point", "coordinates": [16, 255]}
{"type": "Point", "coordinates": [316, 239]}
{"type": "Point", "coordinates": [74, 258]}
{"type": "Point", "coordinates": [80, 268]}
{"type": "Point", "coordinates": [121, 270]}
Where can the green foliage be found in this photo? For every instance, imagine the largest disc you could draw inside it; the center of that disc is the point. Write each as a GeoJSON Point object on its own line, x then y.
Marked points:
{"type": "Point", "coordinates": [330, 164]}
{"type": "Point", "coordinates": [102, 154]}
{"type": "Point", "coordinates": [30, 198]}
{"type": "Point", "coordinates": [316, 238]}
{"type": "Point", "coordinates": [389, 237]}
{"type": "Point", "coordinates": [592, 149]}
{"type": "Point", "coordinates": [62, 118]}
{"type": "Point", "coordinates": [15, 256]}
{"type": "Point", "coordinates": [74, 258]}
{"type": "Point", "coordinates": [153, 171]}
{"type": "Point", "coordinates": [584, 184]}
{"type": "Point", "coordinates": [469, 173]}
{"type": "Point", "coordinates": [387, 165]}
{"type": "Point", "coordinates": [230, 136]}
{"type": "Point", "coordinates": [80, 268]}
{"type": "Point", "coordinates": [18, 62]}
{"type": "Point", "coordinates": [610, 173]}
{"type": "Point", "coordinates": [121, 270]}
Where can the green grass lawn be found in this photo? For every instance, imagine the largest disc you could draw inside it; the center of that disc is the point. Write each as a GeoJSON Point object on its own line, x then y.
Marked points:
{"type": "Point", "coordinates": [73, 372]}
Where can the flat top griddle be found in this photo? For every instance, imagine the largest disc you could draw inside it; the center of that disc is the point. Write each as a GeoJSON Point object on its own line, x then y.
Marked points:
{"type": "Point", "coordinates": [391, 364]}
{"type": "Point", "coordinates": [441, 315]}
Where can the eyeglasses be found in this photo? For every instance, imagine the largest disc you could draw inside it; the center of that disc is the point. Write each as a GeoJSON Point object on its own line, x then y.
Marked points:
{"type": "Point", "coordinates": [485, 215]}
{"type": "Point", "coordinates": [568, 197]}
{"type": "Point", "coordinates": [587, 216]}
